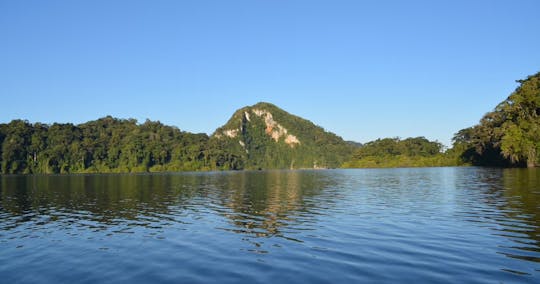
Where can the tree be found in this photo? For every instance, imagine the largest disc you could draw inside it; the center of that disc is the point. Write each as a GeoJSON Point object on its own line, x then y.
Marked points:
{"type": "Point", "coordinates": [521, 139]}
{"type": "Point", "coordinates": [15, 146]}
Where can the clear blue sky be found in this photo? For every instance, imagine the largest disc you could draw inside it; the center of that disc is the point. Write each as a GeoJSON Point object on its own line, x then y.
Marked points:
{"type": "Point", "coordinates": [362, 69]}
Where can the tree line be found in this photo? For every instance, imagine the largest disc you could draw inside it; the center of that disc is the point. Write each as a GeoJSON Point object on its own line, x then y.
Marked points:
{"type": "Point", "coordinates": [508, 136]}
{"type": "Point", "coordinates": [112, 145]}
{"type": "Point", "coordinates": [397, 152]}
{"type": "Point", "coordinates": [104, 145]}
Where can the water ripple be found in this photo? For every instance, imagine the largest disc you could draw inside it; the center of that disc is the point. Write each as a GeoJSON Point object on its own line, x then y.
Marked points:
{"type": "Point", "coordinates": [398, 225]}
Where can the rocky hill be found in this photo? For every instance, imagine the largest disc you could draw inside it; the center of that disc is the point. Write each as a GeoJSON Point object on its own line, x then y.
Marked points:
{"type": "Point", "coordinates": [264, 136]}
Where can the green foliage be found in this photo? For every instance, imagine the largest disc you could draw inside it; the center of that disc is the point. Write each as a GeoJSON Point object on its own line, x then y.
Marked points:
{"type": "Point", "coordinates": [510, 134]}
{"type": "Point", "coordinates": [16, 142]}
{"type": "Point", "coordinates": [394, 152]}
{"type": "Point", "coordinates": [418, 146]}
{"type": "Point", "coordinates": [122, 145]}
{"type": "Point", "coordinates": [264, 136]}
{"type": "Point", "coordinates": [104, 145]}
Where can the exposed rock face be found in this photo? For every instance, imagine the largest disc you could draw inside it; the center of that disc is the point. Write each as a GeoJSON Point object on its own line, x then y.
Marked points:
{"type": "Point", "coordinates": [273, 129]}
{"type": "Point", "coordinates": [291, 140]}
{"type": "Point", "coordinates": [231, 133]}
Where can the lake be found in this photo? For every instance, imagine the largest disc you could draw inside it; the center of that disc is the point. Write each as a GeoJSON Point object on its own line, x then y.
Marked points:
{"type": "Point", "coordinates": [458, 225]}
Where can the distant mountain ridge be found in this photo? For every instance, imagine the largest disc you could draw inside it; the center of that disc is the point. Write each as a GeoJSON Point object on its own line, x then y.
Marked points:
{"type": "Point", "coordinates": [263, 136]}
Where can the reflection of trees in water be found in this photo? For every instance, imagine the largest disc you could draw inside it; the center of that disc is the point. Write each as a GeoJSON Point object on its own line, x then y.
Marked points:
{"type": "Point", "coordinates": [522, 190]}
{"type": "Point", "coordinates": [264, 202]}
{"type": "Point", "coordinates": [102, 199]}
{"type": "Point", "coordinates": [257, 202]}
{"type": "Point", "coordinates": [515, 194]}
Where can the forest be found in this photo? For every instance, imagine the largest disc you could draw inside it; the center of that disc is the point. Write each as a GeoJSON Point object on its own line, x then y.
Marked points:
{"type": "Point", "coordinates": [396, 152]}
{"type": "Point", "coordinates": [112, 145]}
{"type": "Point", "coordinates": [104, 145]}
{"type": "Point", "coordinates": [508, 136]}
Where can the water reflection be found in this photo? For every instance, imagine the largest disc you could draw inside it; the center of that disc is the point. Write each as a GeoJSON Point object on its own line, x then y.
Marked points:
{"type": "Point", "coordinates": [522, 212]}
{"type": "Point", "coordinates": [366, 222]}
{"type": "Point", "coordinates": [263, 202]}
{"type": "Point", "coordinates": [105, 199]}
{"type": "Point", "coordinates": [506, 201]}
{"type": "Point", "coordinates": [255, 202]}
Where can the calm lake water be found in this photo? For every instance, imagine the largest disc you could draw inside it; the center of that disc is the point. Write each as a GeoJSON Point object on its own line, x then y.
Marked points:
{"type": "Point", "coordinates": [461, 225]}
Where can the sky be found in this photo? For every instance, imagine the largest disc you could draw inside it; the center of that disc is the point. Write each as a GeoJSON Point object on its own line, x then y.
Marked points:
{"type": "Point", "coordinates": [361, 69]}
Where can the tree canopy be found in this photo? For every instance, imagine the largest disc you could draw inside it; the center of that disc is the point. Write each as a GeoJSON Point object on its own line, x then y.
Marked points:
{"type": "Point", "coordinates": [104, 145]}
{"type": "Point", "coordinates": [510, 134]}
{"type": "Point", "coordinates": [396, 152]}
{"type": "Point", "coordinates": [123, 145]}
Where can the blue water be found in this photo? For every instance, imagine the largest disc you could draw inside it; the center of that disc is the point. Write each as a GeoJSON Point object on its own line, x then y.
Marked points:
{"type": "Point", "coordinates": [454, 225]}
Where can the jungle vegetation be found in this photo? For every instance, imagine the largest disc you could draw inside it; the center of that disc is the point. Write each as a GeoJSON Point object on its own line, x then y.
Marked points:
{"type": "Point", "coordinates": [264, 136]}
{"type": "Point", "coordinates": [104, 145]}
{"type": "Point", "coordinates": [508, 136]}
{"type": "Point", "coordinates": [396, 152]}
{"type": "Point", "coordinates": [112, 145]}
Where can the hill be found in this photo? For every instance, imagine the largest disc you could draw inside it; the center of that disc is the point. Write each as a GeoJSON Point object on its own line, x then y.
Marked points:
{"type": "Point", "coordinates": [264, 136]}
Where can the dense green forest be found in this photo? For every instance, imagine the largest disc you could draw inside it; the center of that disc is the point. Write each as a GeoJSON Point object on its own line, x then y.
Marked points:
{"type": "Point", "coordinates": [395, 152]}
{"type": "Point", "coordinates": [104, 145]}
{"type": "Point", "coordinates": [264, 136]}
{"type": "Point", "coordinates": [122, 145]}
{"type": "Point", "coordinates": [508, 136]}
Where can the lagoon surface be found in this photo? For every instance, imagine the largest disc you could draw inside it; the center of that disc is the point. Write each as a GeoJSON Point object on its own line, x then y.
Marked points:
{"type": "Point", "coordinates": [457, 225]}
